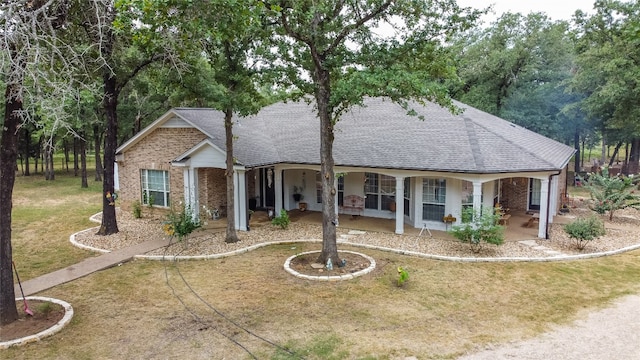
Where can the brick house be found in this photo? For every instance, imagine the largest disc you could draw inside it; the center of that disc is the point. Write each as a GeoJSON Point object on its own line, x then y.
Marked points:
{"type": "Point", "coordinates": [440, 163]}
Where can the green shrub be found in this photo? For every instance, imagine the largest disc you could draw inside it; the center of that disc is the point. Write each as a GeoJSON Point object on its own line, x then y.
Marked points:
{"type": "Point", "coordinates": [137, 209]}
{"type": "Point", "coordinates": [611, 193]}
{"type": "Point", "coordinates": [181, 224]}
{"type": "Point", "coordinates": [479, 229]}
{"type": "Point", "coordinates": [45, 308]}
{"type": "Point", "coordinates": [403, 276]}
{"type": "Point", "coordinates": [584, 230]}
{"type": "Point", "coordinates": [283, 220]}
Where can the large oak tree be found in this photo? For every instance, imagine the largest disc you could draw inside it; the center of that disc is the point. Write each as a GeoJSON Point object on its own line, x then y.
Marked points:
{"type": "Point", "coordinates": [25, 28]}
{"type": "Point", "coordinates": [339, 52]}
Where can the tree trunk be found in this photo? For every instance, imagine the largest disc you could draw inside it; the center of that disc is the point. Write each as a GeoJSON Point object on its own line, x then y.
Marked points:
{"type": "Point", "coordinates": [76, 167]}
{"type": "Point", "coordinates": [615, 153]}
{"type": "Point", "coordinates": [576, 144]}
{"type": "Point", "coordinates": [83, 161]}
{"type": "Point", "coordinates": [97, 142]}
{"type": "Point", "coordinates": [329, 218]}
{"type": "Point", "coordinates": [603, 152]}
{"type": "Point", "coordinates": [65, 147]}
{"type": "Point", "coordinates": [49, 173]}
{"type": "Point", "coordinates": [27, 151]}
{"type": "Point", "coordinates": [8, 162]}
{"type": "Point", "coordinates": [634, 156]}
{"type": "Point", "coordinates": [110, 102]}
{"type": "Point", "coordinates": [232, 236]}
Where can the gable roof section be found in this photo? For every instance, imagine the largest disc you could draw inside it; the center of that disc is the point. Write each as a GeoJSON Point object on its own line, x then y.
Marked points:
{"type": "Point", "coordinates": [382, 135]}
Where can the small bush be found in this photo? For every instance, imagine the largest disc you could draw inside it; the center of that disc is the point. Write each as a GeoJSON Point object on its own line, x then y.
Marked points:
{"type": "Point", "coordinates": [137, 209]}
{"type": "Point", "coordinates": [45, 308]}
{"type": "Point", "coordinates": [403, 276]}
{"type": "Point", "coordinates": [283, 220]}
{"type": "Point", "coordinates": [584, 230]}
{"type": "Point", "coordinates": [181, 224]}
{"type": "Point", "coordinates": [479, 229]}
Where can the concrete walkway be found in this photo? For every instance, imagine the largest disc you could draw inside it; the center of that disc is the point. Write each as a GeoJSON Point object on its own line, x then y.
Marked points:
{"type": "Point", "coordinates": [86, 267]}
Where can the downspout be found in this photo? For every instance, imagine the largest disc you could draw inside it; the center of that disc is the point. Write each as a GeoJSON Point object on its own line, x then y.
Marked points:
{"type": "Point", "coordinates": [546, 222]}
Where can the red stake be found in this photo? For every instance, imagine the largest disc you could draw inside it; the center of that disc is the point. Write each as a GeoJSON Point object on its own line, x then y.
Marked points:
{"type": "Point", "coordinates": [24, 299]}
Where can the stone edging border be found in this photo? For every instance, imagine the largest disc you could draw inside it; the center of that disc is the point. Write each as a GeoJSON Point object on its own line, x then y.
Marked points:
{"type": "Point", "coordinates": [372, 265]}
{"type": "Point", "coordinates": [396, 251]}
{"type": "Point", "coordinates": [73, 241]}
{"type": "Point", "coordinates": [68, 314]}
{"type": "Point", "coordinates": [366, 246]}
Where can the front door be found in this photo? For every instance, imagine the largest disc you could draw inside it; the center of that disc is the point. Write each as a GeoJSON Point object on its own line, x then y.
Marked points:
{"type": "Point", "coordinates": [268, 187]}
{"type": "Point", "coordinates": [534, 194]}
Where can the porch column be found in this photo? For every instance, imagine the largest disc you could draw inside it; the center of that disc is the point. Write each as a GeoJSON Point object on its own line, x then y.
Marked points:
{"type": "Point", "coordinates": [477, 197]}
{"type": "Point", "coordinates": [399, 205]}
{"type": "Point", "coordinates": [240, 203]}
{"type": "Point", "coordinates": [544, 202]}
{"type": "Point", "coordinates": [190, 198]}
{"type": "Point", "coordinates": [277, 182]}
{"type": "Point", "coordinates": [553, 198]}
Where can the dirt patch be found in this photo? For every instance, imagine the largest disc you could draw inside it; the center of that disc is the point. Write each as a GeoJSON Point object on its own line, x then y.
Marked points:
{"type": "Point", "coordinates": [45, 315]}
{"type": "Point", "coordinates": [307, 264]}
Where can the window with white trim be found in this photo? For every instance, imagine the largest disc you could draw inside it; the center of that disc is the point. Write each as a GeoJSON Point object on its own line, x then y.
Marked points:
{"type": "Point", "coordinates": [434, 195]}
{"type": "Point", "coordinates": [380, 191]}
{"type": "Point", "coordinates": [339, 184]}
{"type": "Point", "coordinates": [155, 187]}
{"type": "Point", "coordinates": [407, 196]}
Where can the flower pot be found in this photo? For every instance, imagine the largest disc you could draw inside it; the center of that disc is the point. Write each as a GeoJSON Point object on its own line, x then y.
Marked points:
{"type": "Point", "coordinates": [302, 206]}
{"type": "Point", "coordinates": [297, 197]}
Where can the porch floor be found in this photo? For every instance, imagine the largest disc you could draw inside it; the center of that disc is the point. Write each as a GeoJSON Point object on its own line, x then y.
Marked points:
{"type": "Point", "coordinates": [515, 231]}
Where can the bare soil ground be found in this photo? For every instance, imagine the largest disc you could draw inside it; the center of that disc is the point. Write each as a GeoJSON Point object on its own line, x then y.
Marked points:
{"type": "Point", "coordinates": [44, 317]}
{"type": "Point", "coordinates": [307, 264]}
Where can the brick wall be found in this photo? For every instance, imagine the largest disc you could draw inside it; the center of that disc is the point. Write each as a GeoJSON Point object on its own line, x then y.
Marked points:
{"type": "Point", "coordinates": [515, 191]}
{"type": "Point", "coordinates": [213, 188]}
{"type": "Point", "coordinates": [155, 152]}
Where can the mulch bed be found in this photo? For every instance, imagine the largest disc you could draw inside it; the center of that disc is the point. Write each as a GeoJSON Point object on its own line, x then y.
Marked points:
{"type": "Point", "coordinates": [307, 264]}
{"type": "Point", "coordinates": [45, 315]}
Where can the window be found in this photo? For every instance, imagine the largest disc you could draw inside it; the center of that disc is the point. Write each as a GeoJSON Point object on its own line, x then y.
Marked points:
{"type": "Point", "coordinates": [371, 190]}
{"type": "Point", "coordinates": [318, 188]}
{"type": "Point", "coordinates": [340, 184]}
{"type": "Point", "coordinates": [155, 187]}
{"type": "Point", "coordinates": [467, 195]}
{"type": "Point", "coordinates": [407, 196]}
{"type": "Point", "coordinates": [534, 194]}
{"type": "Point", "coordinates": [380, 191]}
{"type": "Point", "coordinates": [434, 194]}
{"type": "Point", "coordinates": [340, 181]}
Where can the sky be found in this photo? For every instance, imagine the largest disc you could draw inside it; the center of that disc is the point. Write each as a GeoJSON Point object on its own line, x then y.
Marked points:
{"type": "Point", "coordinates": [556, 9]}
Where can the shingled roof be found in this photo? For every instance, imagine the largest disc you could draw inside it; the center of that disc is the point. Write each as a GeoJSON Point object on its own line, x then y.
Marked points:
{"type": "Point", "coordinates": [382, 135]}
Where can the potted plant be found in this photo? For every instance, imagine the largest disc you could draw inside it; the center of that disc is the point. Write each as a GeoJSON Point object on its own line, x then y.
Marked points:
{"type": "Point", "coordinates": [297, 193]}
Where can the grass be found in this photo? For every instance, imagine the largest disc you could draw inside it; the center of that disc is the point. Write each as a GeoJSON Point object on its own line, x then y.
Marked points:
{"type": "Point", "coordinates": [45, 214]}
{"type": "Point", "coordinates": [146, 309]}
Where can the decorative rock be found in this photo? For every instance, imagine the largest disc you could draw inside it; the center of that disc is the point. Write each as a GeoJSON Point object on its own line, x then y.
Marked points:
{"type": "Point", "coordinates": [317, 266]}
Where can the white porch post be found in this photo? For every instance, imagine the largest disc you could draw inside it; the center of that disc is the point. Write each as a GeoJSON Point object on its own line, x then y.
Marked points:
{"type": "Point", "coordinates": [477, 197]}
{"type": "Point", "coordinates": [277, 182]}
{"type": "Point", "coordinates": [553, 198]}
{"type": "Point", "coordinates": [544, 202]}
{"type": "Point", "coordinates": [190, 198]}
{"type": "Point", "coordinates": [240, 205]}
{"type": "Point", "coordinates": [399, 205]}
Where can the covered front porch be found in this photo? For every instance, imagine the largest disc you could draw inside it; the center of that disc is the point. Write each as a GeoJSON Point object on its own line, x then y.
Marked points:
{"type": "Point", "coordinates": [434, 200]}
{"type": "Point", "coordinates": [517, 228]}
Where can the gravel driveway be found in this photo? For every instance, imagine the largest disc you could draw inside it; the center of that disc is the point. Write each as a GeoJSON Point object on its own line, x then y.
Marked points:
{"type": "Point", "coordinates": [611, 333]}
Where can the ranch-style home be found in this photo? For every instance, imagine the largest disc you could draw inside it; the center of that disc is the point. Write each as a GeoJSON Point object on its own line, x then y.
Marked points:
{"type": "Point", "coordinates": [421, 170]}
